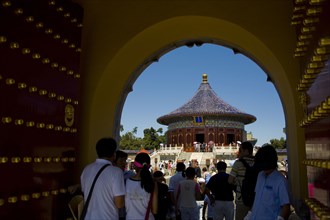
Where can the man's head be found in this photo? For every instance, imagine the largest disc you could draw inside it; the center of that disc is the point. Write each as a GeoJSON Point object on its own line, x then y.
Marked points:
{"type": "Point", "coordinates": [159, 176]}
{"type": "Point", "coordinates": [180, 167]}
{"type": "Point", "coordinates": [246, 149]}
{"type": "Point", "coordinates": [121, 158]}
{"type": "Point", "coordinates": [190, 172]}
{"type": "Point", "coordinates": [221, 166]}
{"type": "Point", "coordinates": [266, 157]}
{"type": "Point", "coordinates": [106, 147]}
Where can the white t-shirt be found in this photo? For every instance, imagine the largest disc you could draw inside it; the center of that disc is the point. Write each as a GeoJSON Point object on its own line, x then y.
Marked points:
{"type": "Point", "coordinates": [188, 189]}
{"type": "Point", "coordinates": [109, 184]}
{"type": "Point", "coordinates": [136, 201]}
{"type": "Point", "coordinates": [174, 184]}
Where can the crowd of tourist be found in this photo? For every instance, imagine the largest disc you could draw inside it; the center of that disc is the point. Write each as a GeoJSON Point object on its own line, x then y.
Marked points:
{"type": "Point", "coordinates": [143, 193]}
{"type": "Point", "coordinates": [203, 147]}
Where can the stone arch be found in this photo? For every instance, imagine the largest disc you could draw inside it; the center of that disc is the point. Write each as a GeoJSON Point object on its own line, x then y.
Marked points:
{"type": "Point", "coordinates": [143, 49]}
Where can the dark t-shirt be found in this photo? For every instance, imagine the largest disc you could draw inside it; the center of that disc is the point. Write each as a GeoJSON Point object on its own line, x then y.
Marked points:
{"type": "Point", "coordinates": [220, 188]}
{"type": "Point", "coordinates": [163, 201]}
{"type": "Point", "coordinates": [198, 172]}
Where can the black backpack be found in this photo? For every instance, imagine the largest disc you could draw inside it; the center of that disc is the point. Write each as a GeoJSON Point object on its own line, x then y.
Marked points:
{"type": "Point", "coordinates": [249, 183]}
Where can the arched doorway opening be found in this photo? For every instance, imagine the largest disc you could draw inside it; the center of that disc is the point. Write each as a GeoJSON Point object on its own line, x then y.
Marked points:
{"type": "Point", "coordinates": [143, 49]}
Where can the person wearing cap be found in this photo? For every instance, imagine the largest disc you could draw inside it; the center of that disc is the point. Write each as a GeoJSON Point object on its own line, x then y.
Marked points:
{"type": "Point", "coordinates": [163, 195]}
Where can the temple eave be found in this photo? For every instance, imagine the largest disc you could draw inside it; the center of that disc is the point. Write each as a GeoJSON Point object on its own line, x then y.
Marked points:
{"type": "Point", "coordinates": [242, 117]}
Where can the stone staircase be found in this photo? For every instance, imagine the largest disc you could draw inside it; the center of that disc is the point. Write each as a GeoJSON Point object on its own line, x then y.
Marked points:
{"type": "Point", "coordinates": [206, 155]}
{"type": "Point", "coordinates": [185, 156]}
{"type": "Point", "coordinates": [199, 156]}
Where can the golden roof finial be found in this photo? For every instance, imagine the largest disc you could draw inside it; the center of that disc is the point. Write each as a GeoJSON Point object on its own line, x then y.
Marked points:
{"type": "Point", "coordinates": [204, 78]}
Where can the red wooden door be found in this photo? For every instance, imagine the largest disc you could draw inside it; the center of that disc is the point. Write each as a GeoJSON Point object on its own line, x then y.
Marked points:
{"type": "Point", "coordinates": [39, 96]}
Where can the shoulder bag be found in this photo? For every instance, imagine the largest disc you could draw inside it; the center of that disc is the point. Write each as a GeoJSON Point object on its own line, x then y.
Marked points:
{"type": "Point", "coordinates": [84, 211]}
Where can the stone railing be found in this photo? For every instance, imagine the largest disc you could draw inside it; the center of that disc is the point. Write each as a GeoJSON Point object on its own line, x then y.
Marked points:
{"type": "Point", "coordinates": [176, 148]}
{"type": "Point", "coordinates": [171, 148]}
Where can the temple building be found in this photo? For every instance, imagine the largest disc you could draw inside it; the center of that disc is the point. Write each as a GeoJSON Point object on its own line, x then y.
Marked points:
{"type": "Point", "coordinates": [205, 118]}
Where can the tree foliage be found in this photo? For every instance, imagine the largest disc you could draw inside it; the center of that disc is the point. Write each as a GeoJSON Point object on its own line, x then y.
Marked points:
{"type": "Point", "coordinates": [129, 141]}
{"type": "Point", "coordinates": [152, 139]}
{"type": "Point", "coordinates": [278, 144]}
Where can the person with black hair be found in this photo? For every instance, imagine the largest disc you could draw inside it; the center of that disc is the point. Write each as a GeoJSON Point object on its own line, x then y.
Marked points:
{"type": "Point", "coordinates": [198, 171]}
{"type": "Point", "coordinates": [173, 185]}
{"type": "Point", "coordinates": [237, 175]}
{"type": "Point", "coordinates": [109, 192]}
{"type": "Point", "coordinates": [188, 192]}
{"type": "Point", "coordinates": [272, 194]}
{"type": "Point", "coordinates": [121, 162]}
{"type": "Point", "coordinates": [221, 194]}
{"type": "Point", "coordinates": [141, 200]}
{"type": "Point", "coordinates": [163, 195]}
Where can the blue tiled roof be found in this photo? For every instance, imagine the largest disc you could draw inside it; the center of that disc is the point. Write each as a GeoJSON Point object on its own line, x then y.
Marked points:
{"type": "Point", "coordinates": [206, 102]}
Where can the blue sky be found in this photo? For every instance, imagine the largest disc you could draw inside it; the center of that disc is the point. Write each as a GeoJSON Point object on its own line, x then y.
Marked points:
{"type": "Point", "coordinates": [172, 81]}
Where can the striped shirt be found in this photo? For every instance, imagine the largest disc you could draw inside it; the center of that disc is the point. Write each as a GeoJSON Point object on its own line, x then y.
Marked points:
{"type": "Point", "coordinates": [238, 171]}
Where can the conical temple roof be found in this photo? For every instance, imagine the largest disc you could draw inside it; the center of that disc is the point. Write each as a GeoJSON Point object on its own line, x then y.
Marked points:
{"type": "Point", "coordinates": [206, 102]}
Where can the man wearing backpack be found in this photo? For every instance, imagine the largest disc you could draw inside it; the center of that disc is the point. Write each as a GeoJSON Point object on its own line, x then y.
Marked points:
{"type": "Point", "coordinates": [237, 175]}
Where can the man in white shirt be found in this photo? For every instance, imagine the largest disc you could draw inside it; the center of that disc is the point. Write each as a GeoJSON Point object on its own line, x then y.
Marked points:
{"type": "Point", "coordinates": [109, 191]}
{"type": "Point", "coordinates": [272, 192]}
{"type": "Point", "coordinates": [174, 183]}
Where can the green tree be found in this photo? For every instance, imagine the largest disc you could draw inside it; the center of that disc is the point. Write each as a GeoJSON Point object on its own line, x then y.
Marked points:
{"type": "Point", "coordinates": [129, 141]}
{"type": "Point", "coordinates": [150, 138]}
{"type": "Point", "coordinates": [150, 141]}
{"type": "Point", "coordinates": [278, 144]}
{"type": "Point", "coordinates": [153, 138]}
{"type": "Point", "coordinates": [161, 136]}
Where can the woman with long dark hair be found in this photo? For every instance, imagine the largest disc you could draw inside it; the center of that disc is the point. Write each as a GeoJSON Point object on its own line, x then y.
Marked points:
{"type": "Point", "coordinates": [141, 191]}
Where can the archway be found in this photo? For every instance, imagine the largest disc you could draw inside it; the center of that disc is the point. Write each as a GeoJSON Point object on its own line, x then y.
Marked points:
{"type": "Point", "coordinates": [104, 113]}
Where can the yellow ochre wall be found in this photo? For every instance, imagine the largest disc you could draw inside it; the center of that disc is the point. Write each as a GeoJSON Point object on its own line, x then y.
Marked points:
{"type": "Point", "coordinates": [120, 39]}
